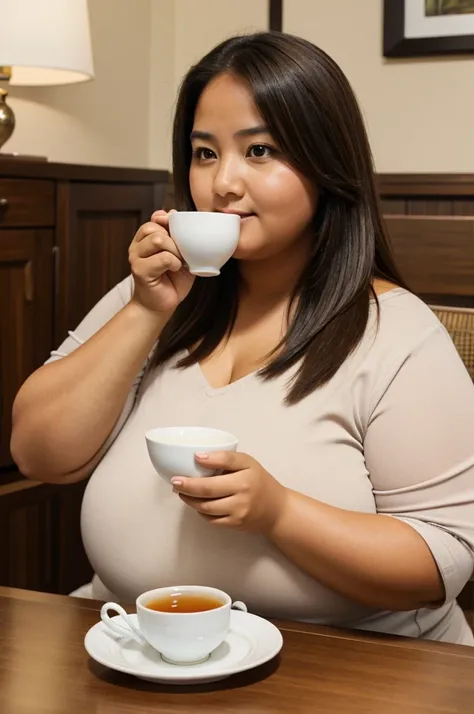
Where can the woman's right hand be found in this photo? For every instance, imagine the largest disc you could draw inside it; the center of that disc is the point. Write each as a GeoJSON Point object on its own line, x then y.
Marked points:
{"type": "Point", "coordinates": [161, 279]}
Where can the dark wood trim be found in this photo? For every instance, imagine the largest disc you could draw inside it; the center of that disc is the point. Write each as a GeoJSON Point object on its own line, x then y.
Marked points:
{"type": "Point", "coordinates": [426, 184]}
{"type": "Point", "coordinates": [448, 300]}
{"type": "Point", "coordinates": [276, 15]}
{"type": "Point", "coordinates": [71, 172]}
{"type": "Point", "coordinates": [23, 493]}
{"type": "Point", "coordinates": [395, 44]}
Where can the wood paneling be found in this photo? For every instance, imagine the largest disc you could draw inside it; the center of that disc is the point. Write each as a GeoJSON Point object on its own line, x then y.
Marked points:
{"type": "Point", "coordinates": [423, 207]}
{"type": "Point", "coordinates": [434, 249]}
{"type": "Point", "coordinates": [77, 172]}
{"type": "Point", "coordinates": [435, 254]}
{"type": "Point", "coordinates": [26, 203]}
{"type": "Point", "coordinates": [428, 185]}
{"type": "Point", "coordinates": [96, 224]}
{"type": "Point", "coordinates": [25, 316]}
{"type": "Point", "coordinates": [27, 536]}
{"type": "Point", "coordinates": [393, 206]}
{"type": "Point", "coordinates": [49, 279]}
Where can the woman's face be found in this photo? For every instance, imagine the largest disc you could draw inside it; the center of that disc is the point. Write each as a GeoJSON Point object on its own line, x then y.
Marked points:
{"type": "Point", "coordinates": [238, 168]}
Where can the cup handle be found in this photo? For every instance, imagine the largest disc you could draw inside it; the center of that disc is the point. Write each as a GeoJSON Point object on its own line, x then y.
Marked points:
{"type": "Point", "coordinates": [129, 630]}
{"type": "Point", "coordinates": [239, 606]}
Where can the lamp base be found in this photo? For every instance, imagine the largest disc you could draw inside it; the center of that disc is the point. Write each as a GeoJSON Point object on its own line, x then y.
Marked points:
{"type": "Point", "coordinates": [7, 118]}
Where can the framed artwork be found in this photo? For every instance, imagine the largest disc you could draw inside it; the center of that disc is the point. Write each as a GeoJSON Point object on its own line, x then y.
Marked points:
{"type": "Point", "coordinates": [428, 27]}
{"type": "Point", "coordinates": [275, 15]}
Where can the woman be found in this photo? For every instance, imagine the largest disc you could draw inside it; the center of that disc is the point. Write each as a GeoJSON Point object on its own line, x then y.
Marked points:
{"type": "Point", "coordinates": [351, 501]}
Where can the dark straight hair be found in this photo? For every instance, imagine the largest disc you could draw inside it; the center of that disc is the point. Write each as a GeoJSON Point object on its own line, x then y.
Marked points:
{"type": "Point", "coordinates": [312, 113]}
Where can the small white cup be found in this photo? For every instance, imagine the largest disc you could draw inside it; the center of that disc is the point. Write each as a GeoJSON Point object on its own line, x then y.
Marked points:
{"type": "Point", "coordinates": [180, 637]}
{"type": "Point", "coordinates": [205, 240]}
{"type": "Point", "coordinates": [172, 450]}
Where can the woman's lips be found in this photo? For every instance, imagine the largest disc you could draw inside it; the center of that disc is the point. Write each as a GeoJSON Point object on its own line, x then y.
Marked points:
{"type": "Point", "coordinates": [242, 214]}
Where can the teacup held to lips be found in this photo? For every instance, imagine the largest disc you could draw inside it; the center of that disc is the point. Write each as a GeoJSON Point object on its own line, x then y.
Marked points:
{"type": "Point", "coordinates": [184, 623]}
{"type": "Point", "coordinates": [205, 240]}
{"type": "Point", "coordinates": [173, 450]}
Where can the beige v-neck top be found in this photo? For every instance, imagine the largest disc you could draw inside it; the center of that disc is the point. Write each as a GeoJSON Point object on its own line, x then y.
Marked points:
{"type": "Point", "coordinates": [391, 433]}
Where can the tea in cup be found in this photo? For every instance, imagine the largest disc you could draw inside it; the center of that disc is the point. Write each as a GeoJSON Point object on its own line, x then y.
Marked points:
{"type": "Point", "coordinates": [173, 449]}
{"type": "Point", "coordinates": [184, 623]}
{"type": "Point", "coordinates": [206, 240]}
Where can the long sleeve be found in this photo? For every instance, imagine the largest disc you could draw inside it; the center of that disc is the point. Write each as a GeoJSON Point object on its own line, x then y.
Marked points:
{"type": "Point", "coordinates": [419, 451]}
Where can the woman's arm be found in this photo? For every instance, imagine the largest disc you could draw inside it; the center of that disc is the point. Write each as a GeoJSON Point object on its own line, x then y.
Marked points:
{"type": "Point", "coordinates": [419, 450]}
{"type": "Point", "coordinates": [372, 559]}
{"type": "Point", "coordinates": [65, 411]}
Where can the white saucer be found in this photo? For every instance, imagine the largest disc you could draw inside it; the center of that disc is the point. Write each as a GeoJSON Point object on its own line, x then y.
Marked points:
{"type": "Point", "coordinates": [251, 641]}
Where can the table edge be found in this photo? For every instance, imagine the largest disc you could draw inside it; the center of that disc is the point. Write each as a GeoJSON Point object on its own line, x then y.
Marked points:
{"type": "Point", "coordinates": [380, 639]}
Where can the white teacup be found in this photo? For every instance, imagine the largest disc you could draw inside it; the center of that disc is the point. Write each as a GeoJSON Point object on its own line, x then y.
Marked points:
{"type": "Point", "coordinates": [172, 449]}
{"type": "Point", "coordinates": [205, 240]}
{"type": "Point", "coordinates": [180, 637]}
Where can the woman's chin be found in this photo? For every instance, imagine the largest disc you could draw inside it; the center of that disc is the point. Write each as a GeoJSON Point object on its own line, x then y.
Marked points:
{"type": "Point", "coordinates": [246, 253]}
{"type": "Point", "coordinates": [249, 248]}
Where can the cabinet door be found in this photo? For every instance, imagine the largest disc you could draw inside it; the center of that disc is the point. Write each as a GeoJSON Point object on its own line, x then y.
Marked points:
{"type": "Point", "coordinates": [96, 224]}
{"type": "Point", "coordinates": [27, 536]}
{"type": "Point", "coordinates": [25, 317]}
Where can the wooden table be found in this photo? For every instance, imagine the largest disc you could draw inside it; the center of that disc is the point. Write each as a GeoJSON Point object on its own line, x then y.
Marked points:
{"type": "Point", "coordinates": [44, 669]}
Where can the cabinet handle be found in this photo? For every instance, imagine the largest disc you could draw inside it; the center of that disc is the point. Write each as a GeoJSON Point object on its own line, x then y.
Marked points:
{"type": "Point", "coordinates": [56, 269]}
{"type": "Point", "coordinates": [29, 284]}
{"type": "Point", "coordinates": [3, 203]}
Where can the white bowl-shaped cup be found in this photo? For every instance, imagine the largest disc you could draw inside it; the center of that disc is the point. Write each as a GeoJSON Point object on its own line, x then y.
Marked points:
{"type": "Point", "coordinates": [180, 637]}
{"type": "Point", "coordinates": [205, 240]}
{"type": "Point", "coordinates": [173, 449]}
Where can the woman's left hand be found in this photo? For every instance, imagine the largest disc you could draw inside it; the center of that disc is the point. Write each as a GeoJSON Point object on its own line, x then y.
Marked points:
{"type": "Point", "coordinates": [246, 497]}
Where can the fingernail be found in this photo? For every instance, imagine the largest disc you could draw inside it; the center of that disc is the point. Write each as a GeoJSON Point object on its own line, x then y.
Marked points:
{"type": "Point", "coordinates": [202, 456]}
{"type": "Point", "coordinates": [176, 482]}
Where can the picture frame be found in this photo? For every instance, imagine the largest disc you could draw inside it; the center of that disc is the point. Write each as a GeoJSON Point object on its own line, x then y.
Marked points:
{"type": "Point", "coordinates": [275, 15]}
{"type": "Point", "coordinates": [416, 28]}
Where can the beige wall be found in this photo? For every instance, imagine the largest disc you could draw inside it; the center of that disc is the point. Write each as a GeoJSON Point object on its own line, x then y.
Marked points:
{"type": "Point", "coordinates": [182, 32]}
{"type": "Point", "coordinates": [100, 122]}
{"type": "Point", "coordinates": [142, 48]}
{"type": "Point", "coordinates": [420, 113]}
{"type": "Point", "coordinates": [162, 83]}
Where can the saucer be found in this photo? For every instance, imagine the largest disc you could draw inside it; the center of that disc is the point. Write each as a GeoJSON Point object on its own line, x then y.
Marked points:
{"type": "Point", "coordinates": [250, 642]}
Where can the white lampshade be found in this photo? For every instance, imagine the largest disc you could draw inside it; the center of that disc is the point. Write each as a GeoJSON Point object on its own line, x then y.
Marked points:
{"type": "Point", "coordinates": [46, 42]}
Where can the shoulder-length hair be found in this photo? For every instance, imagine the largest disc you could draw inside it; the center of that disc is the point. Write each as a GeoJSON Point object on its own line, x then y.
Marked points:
{"type": "Point", "coordinates": [312, 113]}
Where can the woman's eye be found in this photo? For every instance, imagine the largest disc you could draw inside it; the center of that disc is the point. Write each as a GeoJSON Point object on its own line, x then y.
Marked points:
{"type": "Point", "coordinates": [203, 154]}
{"type": "Point", "coordinates": [260, 151]}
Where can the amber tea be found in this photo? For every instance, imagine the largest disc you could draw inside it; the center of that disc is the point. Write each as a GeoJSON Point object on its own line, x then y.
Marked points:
{"type": "Point", "coordinates": [184, 602]}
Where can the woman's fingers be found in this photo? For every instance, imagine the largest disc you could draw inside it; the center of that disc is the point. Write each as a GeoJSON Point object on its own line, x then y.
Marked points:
{"type": "Point", "coordinates": [208, 487]}
{"type": "Point", "coordinates": [212, 509]}
{"type": "Point", "coordinates": [156, 242]}
{"type": "Point", "coordinates": [156, 265]}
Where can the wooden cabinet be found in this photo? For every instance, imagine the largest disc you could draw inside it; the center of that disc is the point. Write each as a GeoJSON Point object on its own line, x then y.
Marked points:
{"type": "Point", "coordinates": [28, 535]}
{"type": "Point", "coordinates": [64, 237]}
{"type": "Point", "coordinates": [96, 225]}
{"type": "Point", "coordinates": [25, 316]}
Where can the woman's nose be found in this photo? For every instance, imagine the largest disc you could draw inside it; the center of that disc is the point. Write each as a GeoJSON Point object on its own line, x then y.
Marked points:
{"type": "Point", "coordinates": [228, 179]}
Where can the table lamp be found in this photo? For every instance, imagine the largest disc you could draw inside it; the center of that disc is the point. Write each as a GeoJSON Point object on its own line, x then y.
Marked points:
{"type": "Point", "coordinates": [42, 43]}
